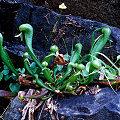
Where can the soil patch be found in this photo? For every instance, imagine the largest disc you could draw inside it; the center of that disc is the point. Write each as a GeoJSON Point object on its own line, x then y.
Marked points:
{"type": "Point", "coordinates": [105, 11]}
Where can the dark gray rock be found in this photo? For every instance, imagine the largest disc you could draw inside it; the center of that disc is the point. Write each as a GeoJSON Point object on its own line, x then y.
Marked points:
{"type": "Point", "coordinates": [43, 20]}
{"type": "Point", "coordinates": [103, 106]}
{"type": "Point", "coordinates": [13, 112]}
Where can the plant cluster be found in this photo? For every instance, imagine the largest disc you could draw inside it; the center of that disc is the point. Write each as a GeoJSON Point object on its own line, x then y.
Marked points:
{"type": "Point", "coordinates": [67, 73]}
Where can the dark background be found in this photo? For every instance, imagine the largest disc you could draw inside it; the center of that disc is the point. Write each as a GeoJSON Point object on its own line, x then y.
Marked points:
{"type": "Point", "coordinates": [105, 11]}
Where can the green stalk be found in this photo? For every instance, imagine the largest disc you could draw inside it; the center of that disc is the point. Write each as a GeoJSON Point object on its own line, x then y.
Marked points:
{"type": "Point", "coordinates": [28, 39]}
{"type": "Point", "coordinates": [93, 35]}
{"type": "Point", "coordinates": [68, 71]}
{"type": "Point", "coordinates": [5, 57]}
{"type": "Point", "coordinates": [40, 83]}
{"type": "Point", "coordinates": [74, 58]}
{"type": "Point", "coordinates": [72, 79]}
{"type": "Point", "coordinates": [76, 54]}
{"type": "Point", "coordinates": [110, 62]}
{"type": "Point", "coordinates": [53, 31]}
{"type": "Point", "coordinates": [26, 63]}
{"type": "Point", "coordinates": [109, 83]}
{"type": "Point", "coordinates": [65, 46]}
{"type": "Point", "coordinates": [91, 76]}
{"type": "Point", "coordinates": [48, 58]}
{"type": "Point", "coordinates": [47, 75]}
{"type": "Point", "coordinates": [101, 42]}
